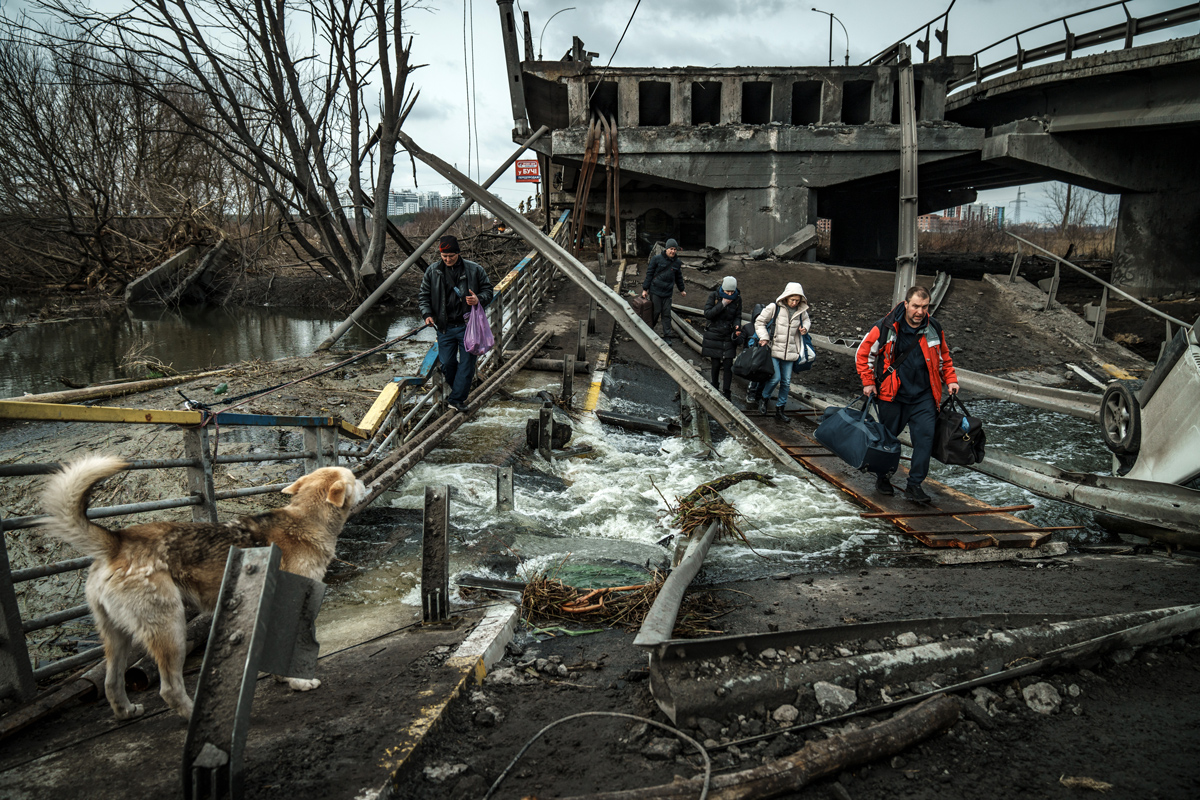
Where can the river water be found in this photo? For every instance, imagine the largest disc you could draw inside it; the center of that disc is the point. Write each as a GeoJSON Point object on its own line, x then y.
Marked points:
{"type": "Point", "coordinates": [86, 351]}
{"type": "Point", "coordinates": [592, 520]}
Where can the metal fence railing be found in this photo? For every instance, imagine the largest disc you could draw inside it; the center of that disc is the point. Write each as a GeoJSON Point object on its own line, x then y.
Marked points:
{"type": "Point", "coordinates": [403, 408]}
{"type": "Point", "coordinates": [1010, 54]}
{"type": "Point", "coordinates": [1094, 314]}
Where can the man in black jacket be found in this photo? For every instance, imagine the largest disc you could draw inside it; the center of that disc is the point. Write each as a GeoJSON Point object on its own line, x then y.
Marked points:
{"type": "Point", "coordinates": [663, 274]}
{"type": "Point", "coordinates": [447, 293]}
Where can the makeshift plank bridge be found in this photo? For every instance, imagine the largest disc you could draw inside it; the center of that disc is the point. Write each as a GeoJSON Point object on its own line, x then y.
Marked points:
{"type": "Point", "coordinates": [954, 519]}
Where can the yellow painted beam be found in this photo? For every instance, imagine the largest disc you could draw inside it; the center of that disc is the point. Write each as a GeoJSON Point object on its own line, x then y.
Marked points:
{"type": "Point", "coordinates": [354, 430]}
{"type": "Point", "coordinates": [375, 414]}
{"type": "Point", "coordinates": [508, 279]}
{"type": "Point", "coordinates": [16, 409]}
{"type": "Point", "coordinates": [1117, 372]}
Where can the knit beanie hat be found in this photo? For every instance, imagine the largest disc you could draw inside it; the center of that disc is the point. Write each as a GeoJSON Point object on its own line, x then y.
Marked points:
{"type": "Point", "coordinates": [448, 244]}
{"type": "Point", "coordinates": [672, 243]}
{"type": "Point", "coordinates": [729, 285]}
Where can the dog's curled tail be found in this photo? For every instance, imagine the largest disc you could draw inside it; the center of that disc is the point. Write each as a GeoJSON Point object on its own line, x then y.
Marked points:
{"type": "Point", "coordinates": [65, 499]}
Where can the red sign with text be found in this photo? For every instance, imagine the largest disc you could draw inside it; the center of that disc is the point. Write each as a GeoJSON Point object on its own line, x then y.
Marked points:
{"type": "Point", "coordinates": [527, 171]}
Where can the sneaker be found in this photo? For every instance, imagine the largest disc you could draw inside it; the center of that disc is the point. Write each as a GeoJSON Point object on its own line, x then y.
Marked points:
{"type": "Point", "coordinates": [883, 485]}
{"type": "Point", "coordinates": [781, 417]}
{"type": "Point", "coordinates": [762, 406]}
{"type": "Point", "coordinates": [916, 494]}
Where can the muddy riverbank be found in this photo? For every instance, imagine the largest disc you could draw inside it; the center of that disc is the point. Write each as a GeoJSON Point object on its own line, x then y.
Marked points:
{"type": "Point", "coordinates": [1131, 720]}
{"type": "Point", "coordinates": [1119, 711]}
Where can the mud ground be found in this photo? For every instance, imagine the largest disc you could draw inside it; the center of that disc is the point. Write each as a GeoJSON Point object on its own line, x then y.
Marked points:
{"type": "Point", "coordinates": [1134, 724]}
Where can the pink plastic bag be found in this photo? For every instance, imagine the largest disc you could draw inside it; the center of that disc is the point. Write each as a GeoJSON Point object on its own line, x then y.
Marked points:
{"type": "Point", "coordinates": [478, 338]}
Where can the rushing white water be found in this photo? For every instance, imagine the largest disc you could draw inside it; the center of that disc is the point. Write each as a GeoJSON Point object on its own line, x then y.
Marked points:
{"type": "Point", "coordinates": [598, 519]}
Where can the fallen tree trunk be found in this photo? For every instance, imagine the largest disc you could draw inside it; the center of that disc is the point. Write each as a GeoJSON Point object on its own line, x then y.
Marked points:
{"type": "Point", "coordinates": [115, 389]}
{"type": "Point", "coordinates": [815, 760]}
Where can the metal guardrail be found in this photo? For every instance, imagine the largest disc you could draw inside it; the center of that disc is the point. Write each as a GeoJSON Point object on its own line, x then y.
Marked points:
{"type": "Point", "coordinates": [1066, 47]}
{"type": "Point", "coordinates": [891, 53]}
{"type": "Point", "coordinates": [405, 407]}
{"type": "Point", "coordinates": [1101, 311]}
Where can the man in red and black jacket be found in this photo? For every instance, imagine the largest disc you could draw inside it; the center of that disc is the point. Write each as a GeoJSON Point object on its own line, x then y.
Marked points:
{"type": "Point", "coordinates": [905, 362]}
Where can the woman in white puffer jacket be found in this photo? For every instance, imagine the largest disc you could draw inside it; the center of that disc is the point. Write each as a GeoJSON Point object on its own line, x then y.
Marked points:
{"type": "Point", "coordinates": [786, 341]}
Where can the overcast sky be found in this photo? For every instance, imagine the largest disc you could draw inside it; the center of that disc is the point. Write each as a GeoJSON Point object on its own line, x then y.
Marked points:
{"type": "Point", "coordinates": [703, 33]}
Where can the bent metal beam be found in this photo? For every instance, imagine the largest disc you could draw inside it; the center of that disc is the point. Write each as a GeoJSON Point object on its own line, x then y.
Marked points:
{"type": "Point", "coordinates": [341, 329]}
{"type": "Point", "coordinates": [717, 406]}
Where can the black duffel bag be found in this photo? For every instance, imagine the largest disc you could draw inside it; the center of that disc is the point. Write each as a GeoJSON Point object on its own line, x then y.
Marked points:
{"type": "Point", "coordinates": [957, 438]}
{"type": "Point", "coordinates": [754, 364]}
{"type": "Point", "coordinates": [858, 439]}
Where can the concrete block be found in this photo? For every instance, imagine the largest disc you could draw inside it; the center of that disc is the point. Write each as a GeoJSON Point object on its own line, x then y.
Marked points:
{"type": "Point", "coordinates": [796, 244]}
{"type": "Point", "coordinates": [158, 282]}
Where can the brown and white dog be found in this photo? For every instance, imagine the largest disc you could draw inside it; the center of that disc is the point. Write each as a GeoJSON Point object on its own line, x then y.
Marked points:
{"type": "Point", "coordinates": [144, 575]}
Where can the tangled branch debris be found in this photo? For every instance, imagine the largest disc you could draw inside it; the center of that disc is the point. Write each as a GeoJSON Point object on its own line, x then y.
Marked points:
{"type": "Point", "coordinates": [626, 606]}
{"type": "Point", "coordinates": [704, 505]}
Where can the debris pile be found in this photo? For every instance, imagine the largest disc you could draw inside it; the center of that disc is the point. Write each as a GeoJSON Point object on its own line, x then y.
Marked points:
{"type": "Point", "coordinates": [548, 598]}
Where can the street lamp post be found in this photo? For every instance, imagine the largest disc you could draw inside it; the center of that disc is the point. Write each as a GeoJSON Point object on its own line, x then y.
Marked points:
{"type": "Point", "coordinates": [552, 16]}
{"type": "Point", "coordinates": [839, 22]}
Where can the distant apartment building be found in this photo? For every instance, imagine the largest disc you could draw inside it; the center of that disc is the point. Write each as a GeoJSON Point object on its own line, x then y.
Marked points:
{"type": "Point", "coordinates": [403, 202]}
{"type": "Point", "coordinates": [951, 219]}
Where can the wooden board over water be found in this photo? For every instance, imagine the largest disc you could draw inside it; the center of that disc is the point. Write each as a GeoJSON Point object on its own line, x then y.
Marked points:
{"type": "Point", "coordinates": [953, 519]}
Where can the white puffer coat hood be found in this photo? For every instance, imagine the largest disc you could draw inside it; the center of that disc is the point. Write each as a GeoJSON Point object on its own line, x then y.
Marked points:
{"type": "Point", "coordinates": [786, 339]}
{"type": "Point", "coordinates": [791, 289]}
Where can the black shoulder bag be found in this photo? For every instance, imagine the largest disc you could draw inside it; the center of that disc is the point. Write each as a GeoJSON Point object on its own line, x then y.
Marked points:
{"type": "Point", "coordinates": [958, 438]}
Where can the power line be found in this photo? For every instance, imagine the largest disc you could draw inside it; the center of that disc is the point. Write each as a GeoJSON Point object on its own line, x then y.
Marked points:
{"type": "Point", "coordinates": [615, 49]}
{"type": "Point", "coordinates": [467, 82]}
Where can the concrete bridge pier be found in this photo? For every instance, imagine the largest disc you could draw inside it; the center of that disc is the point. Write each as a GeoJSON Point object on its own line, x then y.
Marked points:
{"type": "Point", "coordinates": [1158, 237]}
{"type": "Point", "coordinates": [743, 219]}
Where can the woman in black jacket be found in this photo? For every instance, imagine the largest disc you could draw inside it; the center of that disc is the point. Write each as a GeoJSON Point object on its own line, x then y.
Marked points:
{"type": "Point", "coordinates": [724, 314]}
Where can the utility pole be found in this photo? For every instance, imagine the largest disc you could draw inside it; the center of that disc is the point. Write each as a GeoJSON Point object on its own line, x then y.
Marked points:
{"type": "Point", "coordinates": [1017, 207]}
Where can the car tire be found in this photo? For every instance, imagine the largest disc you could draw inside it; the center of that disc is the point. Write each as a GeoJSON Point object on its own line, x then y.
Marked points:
{"type": "Point", "coordinates": [1121, 418]}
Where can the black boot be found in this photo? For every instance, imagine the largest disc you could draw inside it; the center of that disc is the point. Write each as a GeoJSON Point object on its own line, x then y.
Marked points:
{"type": "Point", "coordinates": [883, 485]}
{"type": "Point", "coordinates": [780, 416]}
{"type": "Point", "coordinates": [728, 395]}
{"type": "Point", "coordinates": [915, 493]}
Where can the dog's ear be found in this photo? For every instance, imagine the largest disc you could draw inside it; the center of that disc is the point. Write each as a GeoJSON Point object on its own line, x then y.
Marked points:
{"type": "Point", "coordinates": [336, 494]}
{"type": "Point", "coordinates": [297, 486]}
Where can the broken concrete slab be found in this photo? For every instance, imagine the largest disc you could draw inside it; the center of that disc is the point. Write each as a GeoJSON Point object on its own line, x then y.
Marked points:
{"type": "Point", "coordinates": [796, 244]}
{"type": "Point", "coordinates": [987, 554]}
{"type": "Point", "coordinates": [157, 283]}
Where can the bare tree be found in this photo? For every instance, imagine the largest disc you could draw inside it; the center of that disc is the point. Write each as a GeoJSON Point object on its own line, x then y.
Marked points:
{"type": "Point", "coordinates": [284, 87]}
{"type": "Point", "coordinates": [1105, 208]}
{"type": "Point", "coordinates": [1069, 207]}
{"type": "Point", "coordinates": [94, 175]}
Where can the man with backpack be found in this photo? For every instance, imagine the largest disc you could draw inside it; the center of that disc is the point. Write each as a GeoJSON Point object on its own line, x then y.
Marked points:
{"type": "Point", "coordinates": [904, 361]}
{"type": "Point", "coordinates": [663, 274]}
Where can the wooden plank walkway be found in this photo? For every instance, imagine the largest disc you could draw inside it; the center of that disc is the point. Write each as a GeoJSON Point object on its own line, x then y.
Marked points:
{"type": "Point", "coordinates": [954, 519]}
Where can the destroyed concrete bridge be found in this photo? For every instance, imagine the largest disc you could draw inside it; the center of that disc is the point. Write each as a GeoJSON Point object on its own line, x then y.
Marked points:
{"type": "Point", "coordinates": [741, 158]}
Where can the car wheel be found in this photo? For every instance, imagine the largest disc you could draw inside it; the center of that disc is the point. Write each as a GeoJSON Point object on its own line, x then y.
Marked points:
{"type": "Point", "coordinates": [1121, 419]}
